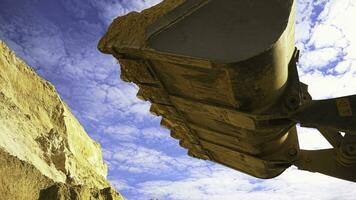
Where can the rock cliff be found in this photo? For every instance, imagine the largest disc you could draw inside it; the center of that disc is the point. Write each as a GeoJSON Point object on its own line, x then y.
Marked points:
{"type": "Point", "coordinates": [44, 151]}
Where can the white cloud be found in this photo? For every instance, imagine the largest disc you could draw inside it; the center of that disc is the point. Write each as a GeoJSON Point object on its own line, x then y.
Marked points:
{"type": "Point", "coordinates": [122, 132]}
{"type": "Point", "coordinates": [113, 9]}
{"type": "Point", "coordinates": [331, 37]}
{"type": "Point", "coordinates": [328, 45]}
{"type": "Point", "coordinates": [342, 15]}
{"type": "Point", "coordinates": [154, 132]}
{"type": "Point", "coordinates": [222, 183]}
{"type": "Point", "coordinates": [121, 185]}
{"type": "Point", "coordinates": [132, 133]}
{"type": "Point", "coordinates": [327, 86]}
{"type": "Point", "coordinates": [141, 110]}
{"type": "Point", "coordinates": [139, 159]}
{"type": "Point", "coordinates": [343, 67]}
{"type": "Point", "coordinates": [123, 96]}
{"type": "Point", "coordinates": [303, 21]}
{"type": "Point", "coordinates": [328, 36]}
{"type": "Point", "coordinates": [136, 158]}
{"type": "Point", "coordinates": [319, 59]}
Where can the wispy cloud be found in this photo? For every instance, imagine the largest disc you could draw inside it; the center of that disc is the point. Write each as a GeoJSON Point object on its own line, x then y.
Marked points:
{"type": "Point", "coordinates": [327, 38]}
{"type": "Point", "coordinates": [112, 9]}
{"type": "Point", "coordinates": [222, 183]}
{"type": "Point", "coordinates": [136, 158]}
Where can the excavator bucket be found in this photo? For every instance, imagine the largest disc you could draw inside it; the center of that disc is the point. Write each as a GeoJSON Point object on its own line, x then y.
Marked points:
{"type": "Point", "coordinates": [222, 74]}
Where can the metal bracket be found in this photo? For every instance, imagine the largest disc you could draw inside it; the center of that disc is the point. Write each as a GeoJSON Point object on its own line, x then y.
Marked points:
{"type": "Point", "coordinates": [339, 162]}
{"type": "Point", "coordinates": [325, 162]}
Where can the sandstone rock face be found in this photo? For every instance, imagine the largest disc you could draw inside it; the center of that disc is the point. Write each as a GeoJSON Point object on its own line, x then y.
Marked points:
{"type": "Point", "coordinates": [62, 191]}
{"type": "Point", "coordinates": [19, 179]}
{"type": "Point", "coordinates": [41, 142]}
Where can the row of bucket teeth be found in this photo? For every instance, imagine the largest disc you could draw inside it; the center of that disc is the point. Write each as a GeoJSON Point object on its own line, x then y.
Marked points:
{"type": "Point", "coordinates": [150, 90]}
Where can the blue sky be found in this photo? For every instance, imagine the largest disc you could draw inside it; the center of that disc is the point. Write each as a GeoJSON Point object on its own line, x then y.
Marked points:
{"type": "Point", "coordinates": [59, 38]}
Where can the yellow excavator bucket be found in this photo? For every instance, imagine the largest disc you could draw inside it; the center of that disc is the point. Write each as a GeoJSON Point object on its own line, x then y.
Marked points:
{"type": "Point", "coordinates": [222, 74]}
